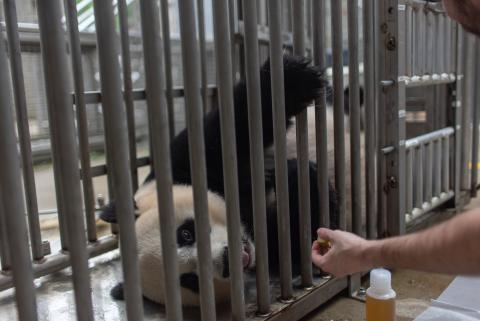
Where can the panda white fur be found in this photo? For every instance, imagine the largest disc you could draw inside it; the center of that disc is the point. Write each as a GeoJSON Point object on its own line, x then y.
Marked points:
{"type": "Point", "coordinates": [303, 85]}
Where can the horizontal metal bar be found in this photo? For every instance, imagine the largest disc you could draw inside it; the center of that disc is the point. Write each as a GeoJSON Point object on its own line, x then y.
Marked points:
{"type": "Point", "coordinates": [413, 142]}
{"type": "Point", "coordinates": [428, 80]}
{"type": "Point", "coordinates": [410, 219]}
{"type": "Point", "coordinates": [101, 170]}
{"type": "Point", "coordinates": [61, 260]}
{"type": "Point", "coordinates": [95, 97]}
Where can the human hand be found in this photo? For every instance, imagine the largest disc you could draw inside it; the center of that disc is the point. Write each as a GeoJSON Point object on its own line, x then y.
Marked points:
{"type": "Point", "coordinates": [346, 254]}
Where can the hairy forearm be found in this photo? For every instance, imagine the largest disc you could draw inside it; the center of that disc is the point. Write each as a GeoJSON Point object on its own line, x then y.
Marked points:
{"type": "Point", "coordinates": [451, 247]}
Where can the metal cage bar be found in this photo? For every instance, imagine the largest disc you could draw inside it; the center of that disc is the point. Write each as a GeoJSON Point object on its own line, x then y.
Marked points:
{"type": "Point", "coordinates": [158, 112]}
{"type": "Point", "coordinates": [116, 132]}
{"type": "Point", "coordinates": [82, 123]}
{"type": "Point", "coordinates": [191, 72]}
{"type": "Point", "coordinates": [62, 128]}
{"type": "Point", "coordinates": [319, 13]}
{"type": "Point", "coordinates": [256, 154]}
{"type": "Point", "coordinates": [370, 117]}
{"type": "Point", "coordinates": [280, 144]}
{"type": "Point", "coordinates": [203, 53]}
{"type": "Point", "coordinates": [229, 155]}
{"type": "Point", "coordinates": [127, 90]}
{"type": "Point", "coordinates": [298, 15]}
{"type": "Point", "coordinates": [338, 106]}
{"type": "Point", "coordinates": [354, 112]}
{"type": "Point", "coordinates": [167, 59]}
{"type": "Point", "coordinates": [12, 202]}
{"type": "Point", "coordinates": [23, 128]}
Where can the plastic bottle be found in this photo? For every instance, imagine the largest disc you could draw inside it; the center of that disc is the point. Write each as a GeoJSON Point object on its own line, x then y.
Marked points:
{"type": "Point", "coordinates": [380, 297]}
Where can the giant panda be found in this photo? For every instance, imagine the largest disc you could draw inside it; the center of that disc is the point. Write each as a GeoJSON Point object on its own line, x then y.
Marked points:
{"type": "Point", "coordinates": [303, 84]}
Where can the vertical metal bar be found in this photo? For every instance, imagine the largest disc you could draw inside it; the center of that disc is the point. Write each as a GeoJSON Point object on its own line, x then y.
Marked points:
{"type": "Point", "coordinates": [127, 90]}
{"type": "Point", "coordinates": [452, 48]}
{"type": "Point", "coordinates": [280, 144]}
{"type": "Point", "coordinates": [319, 59]}
{"type": "Point", "coordinates": [233, 17]}
{"type": "Point", "coordinates": [448, 44]}
{"type": "Point", "coordinates": [469, 60]}
{"type": "Point", "coordinates": [427, 192]}
{"type": "Point", "coordinates": [167, 58]}
{"type": "Point", "coordinates": [409, 180]}
{"type": "Point", "coordinates": [370, 119]}
{"type": "Point", "coordinates": [298, 10]}
{"type": "Point", "coordinates": [409, 41]}
{"type": "Point", "coordinates": [437, 170]}
{"type": "Point", "coordinates": [82, 121]}
{"type": "Point", "coordinates": [191, 72]}
{"type": "Point", "coordinates": [256, 153]}
{"type": "Point", "coordinates": [475, 121]}
{"type": "Point", "coordinates": [64, 146]}
{"type": "Point", "coordinates": [339, 125]}
{"type": "Point", "coordinates": [457, 102]}
{"type": "Point", "coordinates": [354, 103]}
{"type": "Point", "coordinates": [203, 53]}
{"type": "Point", "coordinates": [430, 40]}
{"type": "Point", "coordinates": [5, 255]}
{"type": "Point", "coordinates": [421, 42]}
{"type": "Point", "coordinates": [115, 116]}
{"type": "Point", "coordinates": [158, 113]}
{"type": "Point", "coordinates": [418, 186]}
{"type": "Point", "coordinates": [416, 43]}
{"type": "Point", "coordinates": [23, 128]}
{"type": "Point", "coordinates": [229, 153]}
{"type": "Point", "coordinates": [392, 65]}
{"type": "Point", "coordinates": [445, 165]}
{"type": "Point", "coordinates": [12, 201]}
{"type": "Point", "coordinates": [441, 39]}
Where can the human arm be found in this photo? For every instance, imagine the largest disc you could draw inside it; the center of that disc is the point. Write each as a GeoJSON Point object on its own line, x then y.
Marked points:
{"type": "Point", "coordinates": [451, 247]}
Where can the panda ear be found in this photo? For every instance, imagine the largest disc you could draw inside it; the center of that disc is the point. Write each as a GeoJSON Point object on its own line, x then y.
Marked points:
{"type": "Point", "coordinates": [109, 213]}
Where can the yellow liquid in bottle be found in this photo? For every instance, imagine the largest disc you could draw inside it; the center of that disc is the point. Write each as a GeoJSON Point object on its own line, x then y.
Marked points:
{"type": "Point", "coordinates": [380, 310]}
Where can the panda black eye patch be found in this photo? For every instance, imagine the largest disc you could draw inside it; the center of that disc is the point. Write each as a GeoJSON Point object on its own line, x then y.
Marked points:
{"type": "Point", "coordinates": [186, 233]}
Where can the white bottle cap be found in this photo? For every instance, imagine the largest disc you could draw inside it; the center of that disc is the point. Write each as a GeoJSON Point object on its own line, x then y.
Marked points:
{"type": "Point", "coordinates": [381, 281]}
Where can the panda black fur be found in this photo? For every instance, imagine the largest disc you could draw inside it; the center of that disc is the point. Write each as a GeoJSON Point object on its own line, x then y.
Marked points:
{"type": "Point", "coordinates": [303, 84]}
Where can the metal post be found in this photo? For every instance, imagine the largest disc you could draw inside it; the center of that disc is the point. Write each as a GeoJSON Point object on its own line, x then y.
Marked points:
{"type": "Point", "coordinates": [191, 72]}
{"type": "Point", "coordinates": [445, 166]}
{"type": "Point", "coordinates": [354, 103]}
{"type": "Point", "coordinates": [12, 201]}
{"type": "Point", "coordinates": [409, 41]}
{"type": "Point", "coordinates": [457, 103]}
{"type": "Point", "coordinates": [229, 154]}
{"type": "Point", "coordinates": [64, 146]}
{"type": "Point", "coordinates": [427, 192]}
{"type": "Point", "coordinates": [418, 186]}
{"type": "Point", "coordinates": [256, 154]}
{"type": "Point", "coordinates": [319, 59]}
{"type": "Point", "coordinates": [23, 128]}
{"type": "Point", "coordinates": [158, 113]}
{"type": "Point", "coordinates": [475, 123]}
{"type": "Point", "coordinates": [392, 113]}
{"type": "Point", "coordinates": [168, 66]}
{"type": "Point", "coordinates": [127, 90]}
{"type": "Point", "coordinates": [430, 42]}
{"type": "Point", "coordinates": [280, 144]}
{"type": "Point", "coordinates": [370, 119]}
{"type": "Point", "coordinates": [409, 180]}
{"type": "Point", "coordinates": [115, 118]}
{"type": "Point", "coordinates": [437, 171]}
{"type": "Point", "coordinates": [82, 121]}
{"type": "Point", "coordinates": [339, 125]}
{"type": "Point", "coordinates": [5, 255]}
{"type": "Point", "coordinates": [298, 9]}
{"type": "Point", "coordinates": [203, 53]}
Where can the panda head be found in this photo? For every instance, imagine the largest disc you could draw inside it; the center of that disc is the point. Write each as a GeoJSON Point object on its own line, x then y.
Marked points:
{"type": "Point", "coordinates": [150, 252]}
